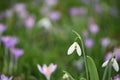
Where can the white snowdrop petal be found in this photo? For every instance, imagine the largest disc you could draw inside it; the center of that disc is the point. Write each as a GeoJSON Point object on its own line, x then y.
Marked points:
{"type": "Point", "coordinates": [78, 49]}
{"type": "Point", "coordinates": [115, 65]}
{"type": "Point", "coordinates": [71, 48]}
{"type": "Point", "coordinates": [105, 63]}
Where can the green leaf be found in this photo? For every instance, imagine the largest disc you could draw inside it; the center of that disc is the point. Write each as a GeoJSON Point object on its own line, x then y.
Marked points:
{"type": "Point", "coordinates": [92, 69]}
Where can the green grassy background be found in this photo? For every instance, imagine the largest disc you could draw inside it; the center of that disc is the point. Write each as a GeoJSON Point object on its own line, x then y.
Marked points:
{"type": "Point", "coordinates": [45, 47]}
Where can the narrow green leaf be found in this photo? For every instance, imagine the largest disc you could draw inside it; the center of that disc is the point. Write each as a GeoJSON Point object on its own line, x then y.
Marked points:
{"type": "Point", "coordinates": [92, 69]}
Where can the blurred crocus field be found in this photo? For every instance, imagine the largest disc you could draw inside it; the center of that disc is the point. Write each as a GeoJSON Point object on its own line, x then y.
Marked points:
{"type": "Point", "coordinates": [59, 39]}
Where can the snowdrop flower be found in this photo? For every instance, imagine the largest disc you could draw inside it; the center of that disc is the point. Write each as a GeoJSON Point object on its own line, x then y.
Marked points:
{"type": "Point", "coordinates": [45, 22]}
{"type": "Point", "coordinates": [74, 46]}
{"type": "Point", "coordinates": [47, 71]}
{"type": "Point", "coordinates": [3, 77]}
{"type": "Point", "coordinates": [114, 64]}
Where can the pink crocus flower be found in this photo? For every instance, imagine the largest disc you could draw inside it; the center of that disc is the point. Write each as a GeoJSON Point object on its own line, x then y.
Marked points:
{"type": "Point", "coordinates": [105, 42]}
{"type": "Point", "coordinates": [47, 71]}
{"type": "Point", "coordinates": [17, 52]}
{"type": "Point", "coordinates": [55, 15]}
{"type": "Point", "coordinates": [74, 11]}
{"type": "Point", "coordinates": [94, 28]}
{"type": "Point", "coordinates": [29, 22]}
{"type": "Point", "coordinates": [89, 42]}
{"type": "Point", "coordinates": [3, 77]}
{"type": "Point", "coordinates": [20, 9]}
{"type": "Point", "coordinates": [50, 3]}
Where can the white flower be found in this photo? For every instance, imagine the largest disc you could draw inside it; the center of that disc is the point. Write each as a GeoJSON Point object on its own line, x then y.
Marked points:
{"type": "Point", "coordinates": [45, 22]}
{"type": "Point", "coordinates": [114, 64]}
{"type": "Point", "coordinates": [74, 46]}
{"type": "Point", "coordinates": [47, 71]}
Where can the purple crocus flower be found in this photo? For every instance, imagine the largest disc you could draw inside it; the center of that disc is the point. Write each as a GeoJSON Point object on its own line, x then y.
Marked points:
{"type": "Point", "coordinates": [93, 28]}
{"type": "Point", "coordinates": [17, 52]}
{"type": "Point", "coordinates": [117, 53]}
{"type": "Point", "coordinates": [108, 56]}
{"type": "Point", "coordinates": [55, 15]}
{"type": "Point", "coordinates": [116, 77]}
{"type": "Point", "coordinates": [29, 22]}
{"type": "Point", "coordinates": [9, 41]}
{"type": "Point", "coordinates": [50, 3]}
{"type": "Point", "coordinates": [2, 28]}
{"type": "Point", "coordinates": [105, 42]}
{"type": "Point", "coordinates": [78, 11]}
{"type": "Point", "coordinates": [47, 71]}
{"type": "Point", "coordinates": [74, 11]}
{"type": "Point", "coordinates": [89, 42]}
{"type": "Point", "coordinates": [20, 9]}
{"type": "Point", "coordinates": [3, 77]}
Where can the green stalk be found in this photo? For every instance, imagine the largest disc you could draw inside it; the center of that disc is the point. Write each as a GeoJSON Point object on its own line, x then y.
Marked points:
{"type": "Point", "coordinates": [109, 73]}
{"type": "Point", "coordinates": [105, 73]}
{"type": "Point", "coordinates": [5, 67]}
{"type": "Point", "coordinates": [84, 55]}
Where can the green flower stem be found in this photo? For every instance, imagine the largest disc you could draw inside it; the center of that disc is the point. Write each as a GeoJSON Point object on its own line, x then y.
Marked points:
{"type": "Point", "coordinates": [109, 73]}
{"type": "Point", "coordinates": [11, 64]}
{"type": "Point", "coordinates": [5, 67]}
{"type": "Point", "coordinates": [105, 73]}
{"type": "Point", "coordinates": [84, 55]}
